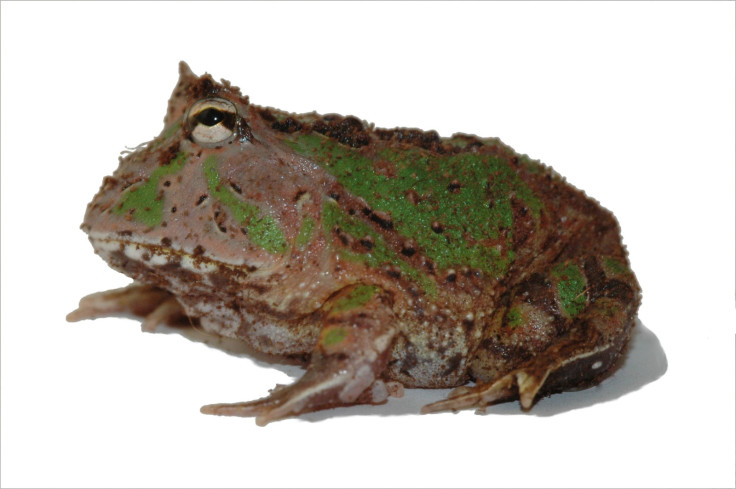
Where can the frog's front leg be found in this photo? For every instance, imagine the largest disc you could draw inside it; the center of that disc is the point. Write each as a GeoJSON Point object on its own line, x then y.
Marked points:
{"type": "Point", "coordinates": [156, 306]}
{"type": "Point", "coordinates": [352, 351]}
{"type": "Point", "coordinates": [557, 331]}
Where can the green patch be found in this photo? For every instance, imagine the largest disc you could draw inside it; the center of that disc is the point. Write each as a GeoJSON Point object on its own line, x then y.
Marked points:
{"type": "Point", "coordinates": [262, 230]}
{"type": "Point", "coordinates": [334, 336]}
{"type": "Point", "coordinates": [305, 232]}
{"type": "Point", "coordinates": [380, 254]}
{"type": "Point", "coordinates": [570, 288]}
{"type": "Point", "coordinates": [513, 317]}
{"type": "Point", "coordinates": [144, 202]}
{"type": "Point", "coordinates": [357, 297]}
{"type": "Point", "coordinates": [468, 194]}
{"type": "Point", "coordinates": [615, 266]}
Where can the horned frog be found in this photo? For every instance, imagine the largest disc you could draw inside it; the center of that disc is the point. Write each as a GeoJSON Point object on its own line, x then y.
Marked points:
{"type": "Point", "coordinates": [383, 258]}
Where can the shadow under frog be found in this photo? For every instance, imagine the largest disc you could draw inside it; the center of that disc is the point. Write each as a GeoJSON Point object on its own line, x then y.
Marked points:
{"type": "Point", "coordinates": [642, 362]}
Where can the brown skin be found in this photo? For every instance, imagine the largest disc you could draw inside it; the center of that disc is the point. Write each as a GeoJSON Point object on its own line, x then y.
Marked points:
{"type": "Point", "coordinates": [556, 318]}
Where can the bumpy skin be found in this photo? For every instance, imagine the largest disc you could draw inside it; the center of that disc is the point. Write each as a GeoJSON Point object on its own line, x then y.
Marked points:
{"type": "Point", "coordinates": [384, 258]}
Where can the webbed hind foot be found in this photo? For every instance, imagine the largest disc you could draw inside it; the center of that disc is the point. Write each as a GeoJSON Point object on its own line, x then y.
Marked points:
{"type": "Point", "coordinates": [566, 371]}
{"type": "Point", "coordinates": [562, 331]}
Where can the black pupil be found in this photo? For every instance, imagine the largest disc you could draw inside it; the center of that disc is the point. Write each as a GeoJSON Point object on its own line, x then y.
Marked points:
{"type": "Point", "coordinates": [210, 117]}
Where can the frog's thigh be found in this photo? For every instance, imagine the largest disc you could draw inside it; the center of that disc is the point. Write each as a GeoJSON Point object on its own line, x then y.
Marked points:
{"type": "Point", "coordinates": [353, 349]}
{"type": "Point", "coordinates": [156, 306]}
{"type": "Point", "coordinates": [558, 331]}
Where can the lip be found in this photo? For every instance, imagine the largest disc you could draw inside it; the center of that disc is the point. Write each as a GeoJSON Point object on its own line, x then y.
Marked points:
{"type": "Point", "coordinates": [153, 254]}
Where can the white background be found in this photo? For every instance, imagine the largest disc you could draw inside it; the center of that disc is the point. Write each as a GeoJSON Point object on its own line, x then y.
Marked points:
{"type": "Point", "coordinates": [633, 102]}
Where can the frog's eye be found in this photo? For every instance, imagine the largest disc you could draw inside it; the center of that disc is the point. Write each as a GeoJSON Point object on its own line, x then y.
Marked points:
{"type": "Point", "coordinates": [212, 121]}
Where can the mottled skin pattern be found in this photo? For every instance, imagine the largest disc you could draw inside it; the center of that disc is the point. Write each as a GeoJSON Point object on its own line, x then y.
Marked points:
{"type": "Point", "coordinates": [383, 258]}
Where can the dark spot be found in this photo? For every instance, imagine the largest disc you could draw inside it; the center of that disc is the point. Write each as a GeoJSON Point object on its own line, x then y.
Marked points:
{"type": "Point", "coordinates": [299, 195]}
{"type": "Point", "coordinates": [346, 130]}
{"type": "Point", "coordinates": [383, 219]}
{"type": "Point", "coordinates": [173, 209]}
{"type": "Point", "coordinates": [146, 256]}
{"type": "Point", "coordinates": [615, 289]}
{"type": "Point", "coordinates": [125, 233]}
{"type": "Point", "coordinates": [244, 231]}
{"type": "Point", "coordinates": [454, 187]}
{"type": "Point", "coordinates": [169, 154]}
{"type": "Point", "coordinates": [236, 187]}
{"type": "Point", "coordinates": [452, 364]}
{"type": "Point", "coordinates": [166, 242]}
{"type": "Point", "coordinates": [393, 271]}
{"type": "Point", "coordinates": [467, 323]}
{"type": "Point", "coordinates": [429, 140]}
{"type": "Point", "coordinates": [220, 280]}
{"type": "Point", "coordinates": [219, 218]}
{"type": "Point", "coordinates": [451, 276]}
{"type": "Point", "coordinates": [335, 196]}
{"type": "Point", "coordinates": [167, 183]}
{"type": "Point", "coordinates": [408, 248]}
{"type": "Point", "coordinates": [367, 242]}
{"type": "Point", "coordinates": [201, 199]}
{"type": "Point", "coordinates": [345, 238]}
{"type": "Point", "coordinates": [594, 277]}
{"type": "Point", "coordinates": [266, 115]}
{"type": "Point", "coordinates": [288, 125]}
{"type": "Point", "coordinates": [437, 227]}
{"type": "Point", "coordinates": [198, 250]}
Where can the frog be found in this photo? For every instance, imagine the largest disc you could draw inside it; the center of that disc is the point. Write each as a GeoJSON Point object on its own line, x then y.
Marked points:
{"type": "Point", "coordinates": [378, 259]}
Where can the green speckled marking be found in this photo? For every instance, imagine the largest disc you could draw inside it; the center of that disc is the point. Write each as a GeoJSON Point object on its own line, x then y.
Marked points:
{"type": "Point", "coordinates": [571, 288]}
{"type": "Point", "coordinates": [615, 266]}
{"type": "Point", "coordinates": [357, 297]}
{"type": "Point", "coordinates": [380, 254]}
{"type": "Point", "coordinates": [477, 218]}
{"type": "Point", "coordinates": [263, 231]}
{"type": "Point", "coordinates": [513, 317]}
{"type": "Point", "coordinates": [305, 232]}
{"type": "Point", "coordinates": [143, 202]}
{"type": "Point", "coordinates": [334, 336]}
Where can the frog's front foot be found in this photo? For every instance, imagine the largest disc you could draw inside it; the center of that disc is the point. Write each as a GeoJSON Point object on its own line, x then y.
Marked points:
{"type": "Point", "coordinates": [156, 306]}
{"type": "Point", "coordinates": [309, 395]}
{"type": "Point", "coordinates": [345, 367]}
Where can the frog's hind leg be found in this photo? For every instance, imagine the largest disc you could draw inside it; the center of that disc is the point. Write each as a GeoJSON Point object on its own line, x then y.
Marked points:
{"type": "Point", "coordinates": [156, 306]}
{"type": "Point", "coordinates": [556, 332]}
{"type": "Point", "coordinates": [352, 351]}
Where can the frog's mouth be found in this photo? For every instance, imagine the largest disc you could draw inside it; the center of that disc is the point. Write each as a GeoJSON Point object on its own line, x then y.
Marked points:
{"type": "Point", "coordinates": [164, 265]}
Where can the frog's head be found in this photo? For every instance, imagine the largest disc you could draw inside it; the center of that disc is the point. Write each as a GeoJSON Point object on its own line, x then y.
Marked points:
{"type": "Point", "coordinates": [213, 187]}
